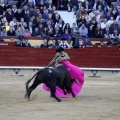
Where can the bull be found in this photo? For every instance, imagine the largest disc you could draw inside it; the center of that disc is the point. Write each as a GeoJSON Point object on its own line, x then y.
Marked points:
{"type": "Point", "coordinates": [51, 77]}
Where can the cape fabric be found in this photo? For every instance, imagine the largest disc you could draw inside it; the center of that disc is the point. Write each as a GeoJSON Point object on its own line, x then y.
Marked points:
{"type": "Point", "coordinates": [76, 73]}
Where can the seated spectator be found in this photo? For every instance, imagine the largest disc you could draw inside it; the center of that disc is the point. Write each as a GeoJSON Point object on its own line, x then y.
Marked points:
{"type": "Point", "coordinates": [53, 44]}
{"type": "Point", "coordinates": [114, 26]}
{"type": "Point", "coordinates": [27, 16]}
{"type": "Point", "coordinates": [99, 32]}
{"type": "Point", "coordinates": [23, 23]}
{"type": "Point", "coordinates": [26, 32]}
{"type": "Point", "coordinates": [50, 30]}
{"type": "Point", "coordinates": [3, 32]}
{"type": "Point", "coordinates": [56, 32]}
{"type": "Point", "coordinates": [46, 14]}
{"type": "Point", "coordinates": [111, 42]}
{"type": "Point", "coordinates": [107, 34]}
{"type": "Point", "coordinates": [67, 36]}
{"type": "Point", "coordinates": [44, 44]}
{"type": "Point", "coordinates": [115, 35]}
{"type": "Point", "coordinates": [36, 32]}
{"type": "Point", "coordinates": [9, 15]}
{"type": "Point", "coordinates": [25, 43]}
{"type": "Point", "coordinates": [92, 14]}
{"type": "Point", "coordinates": [13, 23]}
{"type": "Point", "coordinates": [83, 31]}
{"type": "Point", "coordinates": [100, 43]}
{"type": "Point", "coordinates": [103, 24]}
{"type": "Point", "coordinates": [64, 43]}
{"type": "Point", "coordinates": [18, 15]}
{"type": "Point", "coordinates": [118, 18]}
{"type": "Point", "coordinates": [14, 9]}
{"type": "Point", "coordinates": [67, 27]}
{"type": "Point", "coordinates": [107, 29]}
{"type": "Point", "coordinates": [109, 22]}
{"type": "Point", "coordinates": [91, 32]}
{"type": "Point", "coordinates": [62, 5]}
{"type": "Point", "coordinates": [81, 21]}
{"type": "Point", "coordinates": [31, 3]}
{"type": "Point", "coordinates": [11, 32]}
{"type": "Point", "coordinates": [87, 42]}
{"type": "Point", "coordinates": [19, 31]}
{"type": "Point", "coordinates": [6, 25]}
{"type": "Point", "coordinates": [74, 27]}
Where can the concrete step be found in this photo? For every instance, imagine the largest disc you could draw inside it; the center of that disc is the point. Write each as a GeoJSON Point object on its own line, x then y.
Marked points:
{"type": "Point", "coordinates": [68, 17]}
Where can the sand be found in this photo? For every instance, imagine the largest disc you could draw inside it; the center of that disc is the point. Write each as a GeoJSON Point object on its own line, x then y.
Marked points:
{"type": "Point", "coordinates": [98, 100]}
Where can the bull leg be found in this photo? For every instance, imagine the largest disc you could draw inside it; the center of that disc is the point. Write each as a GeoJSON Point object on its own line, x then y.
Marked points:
{"type": "Point", "coordinates": [30, 89]}
{"type": "Point", "coordinates": [70, 90]}
{"type": "Point", "coordinates": [53, 90]}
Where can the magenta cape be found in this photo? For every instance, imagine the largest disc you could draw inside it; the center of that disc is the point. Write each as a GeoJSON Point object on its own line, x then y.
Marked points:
{"type": "Point", "coordinates": [76, 73]}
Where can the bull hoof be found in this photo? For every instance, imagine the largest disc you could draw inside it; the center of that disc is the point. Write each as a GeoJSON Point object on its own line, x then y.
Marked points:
{"type": "Point", "coordinates": [28, 99]}
{"type": "Point", "coordinates": [25, 96]}
{"type": "Point", "coordinates": [59, 100]}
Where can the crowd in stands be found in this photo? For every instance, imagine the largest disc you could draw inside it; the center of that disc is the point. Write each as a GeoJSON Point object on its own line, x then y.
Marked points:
{"type": "Point", "coordinates": [94, 19]}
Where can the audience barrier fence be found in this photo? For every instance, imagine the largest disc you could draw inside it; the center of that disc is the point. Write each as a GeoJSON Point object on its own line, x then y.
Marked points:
{"type": "Point", "coordinates": [82, 57]}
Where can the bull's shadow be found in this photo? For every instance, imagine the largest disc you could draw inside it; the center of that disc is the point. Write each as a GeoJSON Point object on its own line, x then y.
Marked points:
{"type": "Point", "coordinates": [51, 77]}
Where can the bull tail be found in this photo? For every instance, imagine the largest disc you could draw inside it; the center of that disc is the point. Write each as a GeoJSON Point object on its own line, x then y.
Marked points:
{"type": "Point", "coordinates": [27, 83]}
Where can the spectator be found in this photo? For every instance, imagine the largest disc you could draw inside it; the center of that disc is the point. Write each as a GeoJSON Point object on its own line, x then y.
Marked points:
{"type": "Point", "coordinates": [107, 34]}
{"type": "Point", "coordinates": [103, 24]}
{"type": "Point", "coordinates": [3, 32]}
{"type": "Point", "coordinates": [67, 36]}
{"type": "Point", "coordinates": [13, 23]}
{"type": "Point", "coordinates": [6, 25]}
{"type": "Point", "coordinates": [67, 27]}
{"type": "Point", "coordinates": [111, 42]}
{"type": "Point", "coordinates": [23, 23]}
{"type": "Point", "coordinates": [64, 43]}
{"type": "Point", "coordinates": [114, 26]}
{"type": "Point", "coordinates": [18, 15]}
{"type": "Point", "coordinates": [11, 32]}
{"type": "Point", "coordinates": [62, 5]}
{"type": "Point", "coordinates": [100, 43]}
{"type": "Point", "coordinates": [87, 42]}
{"type": "Point", "coordinates": [83, 31]}
{"type": "Point", "coordinates": [19, 31]}
{"type": "Point", "coordinates": [53, 44]}
{"type": "Point", "coordinates": [74, 27]}
{"type": "Point", "coordinates": [99, 32]}
{"type": "Point", "coordinates": [81, 21]}
{"type": "Point", "coordinates": [14, 9]}
{"type": "Point", "coordinates": [9, 15]}
{"type": "Point", "coordinates": [2, 8]}
{"type": "Point", "coordinates": [115, 35]}
{"type": "Point", "coordinates": [109, 22]}
{"type": "Point", "coordinates": [92, 14]}
{"type": "Point", "coordinates": [118, 18]}
{"type": "Point", "coordinates": [91, 32]}
{"type": "Point", "coordinates": [36, 32]}
{"type": "Point", "coordinates": [30, 27]}
{"type": "Point", "coordinates": [75, 35]}
{"type": "Point", "coordinates": [44, 44]}
{"type": "Point", "coordinates": [27, 16]}
{"type": "Point", "coordinates": [26, 43]}
{"type": "Point", "coordinates": [26, 32]}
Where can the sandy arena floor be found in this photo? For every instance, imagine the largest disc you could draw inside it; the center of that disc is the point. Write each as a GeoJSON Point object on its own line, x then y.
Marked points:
{"type": "Point", "coordinates": [99, 100]}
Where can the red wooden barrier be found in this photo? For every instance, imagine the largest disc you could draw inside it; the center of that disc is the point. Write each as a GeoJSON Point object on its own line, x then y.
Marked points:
{"type": "Point", "coordinates": [102, 58]}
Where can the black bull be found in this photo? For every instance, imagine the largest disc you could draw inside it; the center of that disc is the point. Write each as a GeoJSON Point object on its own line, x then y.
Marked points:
{"type": "Point", "coordinates": [52, 77]}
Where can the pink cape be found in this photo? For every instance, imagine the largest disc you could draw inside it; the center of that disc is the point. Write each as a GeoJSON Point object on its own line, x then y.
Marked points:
{"type": "Point", "coordinates": [75, 73]}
